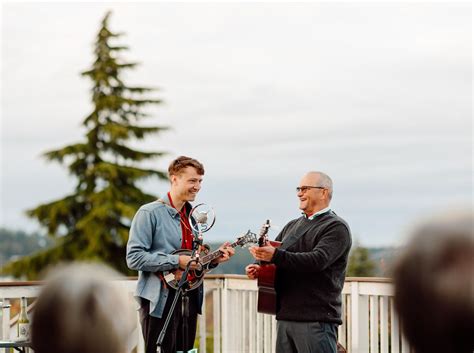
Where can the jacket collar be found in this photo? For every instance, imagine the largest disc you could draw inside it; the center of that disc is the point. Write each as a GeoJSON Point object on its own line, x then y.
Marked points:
{"type": "Point", "coordinates": [171, 210]}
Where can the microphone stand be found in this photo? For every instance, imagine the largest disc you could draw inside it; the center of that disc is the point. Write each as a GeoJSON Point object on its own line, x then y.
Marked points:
{"type": "Point", "coordinates": [182, 292]}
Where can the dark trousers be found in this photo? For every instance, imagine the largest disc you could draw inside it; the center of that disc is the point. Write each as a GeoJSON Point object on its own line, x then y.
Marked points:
{"type": "Point", "coordinates": [173, 340]}
{"type": "Point", "coordinates": [306, 337]}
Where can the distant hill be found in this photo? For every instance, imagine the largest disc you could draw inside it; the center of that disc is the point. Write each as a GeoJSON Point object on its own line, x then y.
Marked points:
{"type": "Point", "coordinates": [17, 243]}
{"type": "Point", "coordinates": [382, 258]}
{"type": "Point", "coordinates": [237, 263]}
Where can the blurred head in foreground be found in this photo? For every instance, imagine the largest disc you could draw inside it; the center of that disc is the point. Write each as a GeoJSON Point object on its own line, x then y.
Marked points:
{"type": "Point", "coordinates": [81, 310]}
{"type": "Point", "coordinates": [434, 286]}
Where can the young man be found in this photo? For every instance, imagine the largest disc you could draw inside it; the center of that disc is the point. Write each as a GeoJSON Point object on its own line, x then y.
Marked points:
{"type": "Point", "coordinates": [158, 229]}
{"type": "Point", "coordinates": [311, 265]}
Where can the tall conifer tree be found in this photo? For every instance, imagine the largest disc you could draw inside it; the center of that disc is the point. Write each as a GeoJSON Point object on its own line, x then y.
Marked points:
{"type": "Point", "coordinates": [92, 222]}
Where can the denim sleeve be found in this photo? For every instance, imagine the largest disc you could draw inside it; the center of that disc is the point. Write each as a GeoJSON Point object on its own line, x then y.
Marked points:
{"type": "Point", "coordinates": [139, 254]}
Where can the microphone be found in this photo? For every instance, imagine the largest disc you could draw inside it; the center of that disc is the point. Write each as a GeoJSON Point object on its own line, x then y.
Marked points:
{"type": "Point", "coordinates": [201, 217]}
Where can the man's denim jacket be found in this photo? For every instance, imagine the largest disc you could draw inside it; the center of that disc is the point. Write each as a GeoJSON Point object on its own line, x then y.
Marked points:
{"type": "Point", "coordinates": [155, 233]}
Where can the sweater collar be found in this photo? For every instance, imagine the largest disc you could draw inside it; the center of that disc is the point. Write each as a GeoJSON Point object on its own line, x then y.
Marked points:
{"type": "Point", "coordinates": [320, 212]}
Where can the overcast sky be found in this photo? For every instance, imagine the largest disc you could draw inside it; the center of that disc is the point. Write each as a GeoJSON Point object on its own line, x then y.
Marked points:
{"type": "Point", "coordinates": [378, 96]}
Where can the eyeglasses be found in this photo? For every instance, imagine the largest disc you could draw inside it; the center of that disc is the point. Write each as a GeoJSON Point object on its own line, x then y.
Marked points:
{"type": "Point", "coordinates": [303, 189]}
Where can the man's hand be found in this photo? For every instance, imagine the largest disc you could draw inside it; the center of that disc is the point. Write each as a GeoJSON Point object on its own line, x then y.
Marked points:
{"type": "Point", "coordinates": [252, 271]}
{"type": "Point", "coordinates": [183, 262]}
{"type": "Point", "coordinates": [204, 249]}
{"type": "Point", "coordinates": [264, 253]}
{"type": "Point", "coordinates": [227, 253]}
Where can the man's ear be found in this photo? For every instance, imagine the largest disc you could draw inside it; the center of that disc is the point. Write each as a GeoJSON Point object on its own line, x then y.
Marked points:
{"type": "Point", "coordinates": [325, 194]}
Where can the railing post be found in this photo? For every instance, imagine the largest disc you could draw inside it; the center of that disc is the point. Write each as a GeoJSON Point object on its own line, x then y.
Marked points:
{"type": "Point", "coordinates": [374, 323]}
{"type": "Point", "coordinates": [259, 330]}
{"type": "Point", "coordinates": [217, 314]}
{"type": "Point", "coordinates": [202, 325]}
{"type": "Point", "coordinates": [355, 317]}
{"type": "Point", "coordinates": [342, 329]}
{"type": "Point", "coordinates": [1, 318]}
{"type": "Point", "coordinates": [227, 321]}
{"type": "Point", "coordinates": [243, 320]}
{"type": "Point", "coordinates": [252, 322]}
{"type": "Point", "coordinates": [395, 332]}
{"type": "Point", "coordinates": [384, 334]}
{"type": "Point", "coordinates": [6, 319]}
{"type": "Point", "coordinates": [360, 320]}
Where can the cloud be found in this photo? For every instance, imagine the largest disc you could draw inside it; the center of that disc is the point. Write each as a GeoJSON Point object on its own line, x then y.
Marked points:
{"type": "Point", "coordinates": [378, 96]}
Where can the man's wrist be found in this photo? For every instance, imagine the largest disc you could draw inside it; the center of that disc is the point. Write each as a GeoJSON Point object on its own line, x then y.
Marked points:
{"type": "Point", "coordinates": [276, 256]}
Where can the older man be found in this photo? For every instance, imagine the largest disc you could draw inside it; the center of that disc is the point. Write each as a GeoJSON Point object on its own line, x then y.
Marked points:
{"type": "Point", "coordinates": [311, 265]}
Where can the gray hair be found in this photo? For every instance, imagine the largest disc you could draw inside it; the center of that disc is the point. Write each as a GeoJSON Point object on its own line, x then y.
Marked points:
{"type": "Point", "coordinates": [324, 181]}
{"type": "Point", "coordinates": [81, 310]}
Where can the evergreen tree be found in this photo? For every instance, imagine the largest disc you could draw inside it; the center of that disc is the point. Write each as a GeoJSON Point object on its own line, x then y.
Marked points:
{"type": "Point", "coordinates": [360, 264]}
{"type": "Point", "coordinates": [92, 223]}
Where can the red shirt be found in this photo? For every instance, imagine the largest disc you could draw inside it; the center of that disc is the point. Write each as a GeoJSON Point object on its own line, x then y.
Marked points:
{"type": "Point", "coordinates": [187, 234]}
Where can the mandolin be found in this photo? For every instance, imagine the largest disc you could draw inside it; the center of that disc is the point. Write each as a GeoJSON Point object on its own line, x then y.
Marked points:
{"type": "Point", "coordinates": [195, 277]}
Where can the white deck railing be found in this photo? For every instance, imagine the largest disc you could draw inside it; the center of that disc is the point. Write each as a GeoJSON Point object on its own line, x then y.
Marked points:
{"type": "Point", "coordinates": [230, 322]}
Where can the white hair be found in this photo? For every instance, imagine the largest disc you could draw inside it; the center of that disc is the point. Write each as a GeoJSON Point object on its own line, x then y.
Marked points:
{"type": "Point", "coordinates": [325, 181]}
{"type": "Point", "coordinates": [81, 310]}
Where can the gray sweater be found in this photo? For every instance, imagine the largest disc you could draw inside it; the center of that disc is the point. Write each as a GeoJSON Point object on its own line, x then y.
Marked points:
{"type": "Point", "coordinates": [311, 267]}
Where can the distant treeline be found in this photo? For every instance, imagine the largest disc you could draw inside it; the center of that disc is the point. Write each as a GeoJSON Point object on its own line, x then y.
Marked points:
{"type": "Point", "coordinates": [17, 243]}
{"type": "Point", "coordinates": [377, 263]}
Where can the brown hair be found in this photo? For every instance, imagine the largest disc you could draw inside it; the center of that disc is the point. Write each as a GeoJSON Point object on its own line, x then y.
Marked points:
{"type": "Point", "coordinates": [182, 162]}
{"type": "Point", "coordinates": [434, 284]}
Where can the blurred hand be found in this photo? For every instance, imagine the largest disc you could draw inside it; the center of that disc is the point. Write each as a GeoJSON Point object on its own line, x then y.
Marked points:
{"type": "Point", "coordinates": [183, 262]}
{"type": "Point", "coordinates": [204, 249]}
{"type": "Point", "coordinates": [252, 271]}
{"type": "Point", "coordinates": [227, 253]}
{"type": "Point", "coordinates": [264, 253]}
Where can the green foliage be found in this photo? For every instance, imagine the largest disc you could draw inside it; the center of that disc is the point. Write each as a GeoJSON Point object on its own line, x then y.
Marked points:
{"type": "Point", "coordinates": [92, 222]}
{"type": "Point", "coordinates": [360, 263]}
